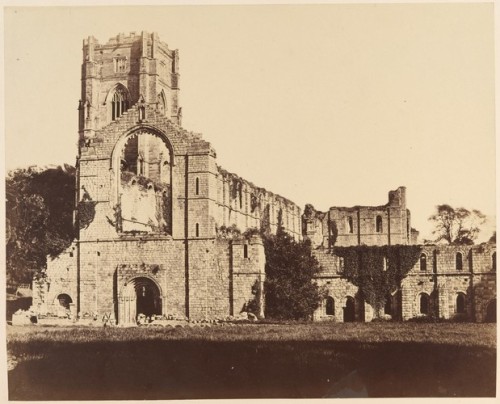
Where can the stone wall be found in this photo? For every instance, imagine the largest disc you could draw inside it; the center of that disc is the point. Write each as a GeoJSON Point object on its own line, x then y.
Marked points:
{"type": "Point", "coordinates": [435, 275]}
{"type": "Point", "coordinates": [370, 225]}
{"type": "Point", "coordinates": [166, 231]}
{"type": "Point", "coordinates": [244, 205]}
{"type": "Point", "coordinates": [61, 279]}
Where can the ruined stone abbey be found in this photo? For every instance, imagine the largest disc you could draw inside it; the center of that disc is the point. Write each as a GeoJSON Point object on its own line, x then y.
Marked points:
{"type": "Point", "coordinates": [156, 216]}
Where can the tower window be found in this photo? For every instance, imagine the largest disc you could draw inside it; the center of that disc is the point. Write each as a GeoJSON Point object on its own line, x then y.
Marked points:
{"type": "Point", "coordinates": [378, 221]}
{"type": "Point", "coordinates": [458, 261]}
{"type": "Point", "coordinates": [119, 103]}
{"type": "Point", "coordinates": [245, 251]}
{"type": "Point", "coordinates": [120, 64]}
{"type": "Point", "coordinates": [197, 230]}
{"type": "Point", "coordinates": [197, 186]}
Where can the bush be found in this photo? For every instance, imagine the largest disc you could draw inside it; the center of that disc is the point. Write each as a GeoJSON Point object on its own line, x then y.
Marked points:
{"type": "Point", "coordinates": [290, 291]}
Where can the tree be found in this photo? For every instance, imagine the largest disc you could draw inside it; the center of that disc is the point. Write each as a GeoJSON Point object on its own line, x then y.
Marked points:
{"type": "Point", "coordinates": [290, 291]}
{"type": "Point", "coordinates": [456, 225]}
{"type": "Point", "coordinates": [39, 210]}
{"type": "Point", "coordinates": [493, 238]}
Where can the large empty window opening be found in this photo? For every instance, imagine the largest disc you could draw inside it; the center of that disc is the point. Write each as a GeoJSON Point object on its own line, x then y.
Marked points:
{"type": "Point", "coordinates": [145, 186]}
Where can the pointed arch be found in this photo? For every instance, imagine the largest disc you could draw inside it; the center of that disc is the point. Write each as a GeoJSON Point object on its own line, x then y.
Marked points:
{"type": "Point", "coordinates": [117, 101]}
{"type": "Point", "coordinates": [162, 103]}
{"type": "Point", "coordinates": [144, 155]}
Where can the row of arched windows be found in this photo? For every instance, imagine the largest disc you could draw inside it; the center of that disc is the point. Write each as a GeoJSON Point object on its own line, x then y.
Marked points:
{"type": "Point", "coordinates": [459, 264]}
{"type": "Point", "coordinates": [348, 309]}
{"type": "Point", "coordinates": [424, 304]}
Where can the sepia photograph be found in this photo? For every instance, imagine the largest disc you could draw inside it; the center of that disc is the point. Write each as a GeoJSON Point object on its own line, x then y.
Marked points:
{"type": "Point", "coordinates": [250, 201]}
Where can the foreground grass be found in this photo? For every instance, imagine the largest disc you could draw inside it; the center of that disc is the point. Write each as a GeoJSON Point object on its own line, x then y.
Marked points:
{"type": "Point", "coordinates": [460, 334]}
{"type": "Point", "coordinates": [253, 361]}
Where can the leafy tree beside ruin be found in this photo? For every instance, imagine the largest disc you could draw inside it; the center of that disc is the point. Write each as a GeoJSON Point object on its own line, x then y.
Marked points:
{"type": "Point", "coordinates": [290, 290]}
{"type": "Point", "coordinates": [39, 212]}
{"type": "Point", "coordinates": [456, 225]}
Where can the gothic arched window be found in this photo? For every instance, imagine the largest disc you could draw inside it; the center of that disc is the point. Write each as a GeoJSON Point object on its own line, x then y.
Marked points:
{"type": "Point", "coordinates": [379, 224]}
{"type": "Point", "coordinates": [119, 102]}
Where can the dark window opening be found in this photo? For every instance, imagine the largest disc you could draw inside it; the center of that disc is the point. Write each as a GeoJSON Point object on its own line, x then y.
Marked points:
{"type": "Point", "coordinates": [379, 224]}
{"type": "Point", "coordinates": [245, 251]}
{"type": "Point", "coordinates": [458, 262]}
{"type": "Point", "coordinates": [330, 306]}
{"type": "Point", "coordinates": [350, 226]}
{"type": "Point", "coordinates": [197, 230]}
{"type": "Point", "coordinates": [423, 262]}
{"type": "Point", "coordinates": [197, 186]}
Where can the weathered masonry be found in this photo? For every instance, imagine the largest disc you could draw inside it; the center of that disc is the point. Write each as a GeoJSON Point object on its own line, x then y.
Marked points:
{"type": "Point", "coordinates": [154, 208]}
{"type": "Point", "coordinates": [157, 217]}
{"type": "Point", "coordinates": [444, 281]}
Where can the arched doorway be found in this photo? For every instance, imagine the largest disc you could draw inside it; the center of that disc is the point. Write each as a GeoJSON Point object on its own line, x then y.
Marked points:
{"type": "Point", "coordinates": [139, 296]}
{"type": "Point", "coordinates": [460, 304]}
{"type": "Point", "coordinates": [424, 303]}
{"type": "Point", "coordinates": [491, 312]}
{"type": "Point", "coordinates": [349, 310]}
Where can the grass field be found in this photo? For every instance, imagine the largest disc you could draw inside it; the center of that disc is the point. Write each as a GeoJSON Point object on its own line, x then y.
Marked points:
{"type": "Point", "coordinates": [253, 361]}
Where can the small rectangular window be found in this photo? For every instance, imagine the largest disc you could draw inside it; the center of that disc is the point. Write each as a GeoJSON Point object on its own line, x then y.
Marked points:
{"type": "Point", "coordinates": [245, 251]}
{"type": "Point", "coordinates": [120, 64]}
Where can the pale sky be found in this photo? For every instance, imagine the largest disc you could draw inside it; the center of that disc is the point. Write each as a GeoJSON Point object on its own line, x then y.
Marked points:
{"type": "Point", "coordinates": [332, 105]}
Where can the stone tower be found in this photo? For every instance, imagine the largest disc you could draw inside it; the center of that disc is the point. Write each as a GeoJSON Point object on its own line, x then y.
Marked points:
{"type": "Point", "coordinates": [147, 196]}
{"type": "Point", "coordinates": [125, 71]}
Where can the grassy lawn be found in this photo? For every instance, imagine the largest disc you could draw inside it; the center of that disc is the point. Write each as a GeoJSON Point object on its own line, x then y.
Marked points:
{"type": "Point", "coordinates": [253, 361]}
